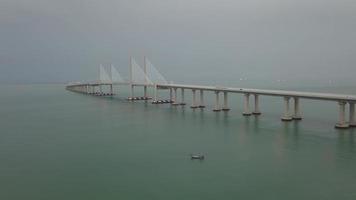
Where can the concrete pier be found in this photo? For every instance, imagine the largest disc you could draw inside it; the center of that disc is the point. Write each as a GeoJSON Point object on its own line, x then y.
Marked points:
{"type": "Point", "coordinates": [286, 116]}
{"type": "Point", "coordinates": [132, 91]}
{"type": "Point", "coordinates": [175, 100]}
{"type": "Point", "coordinates": [217, 104]}
{"type": "Point", "coordinates": [296, 114]}
{"type": "Point", "coordinates": [257, 106]}
{"type": "Point", "coordinates": [92, 89]}
{"type": "Point", "coordinates": [145, 92]}
{"type": "Point", "coordinates": [352, 121]}
{"type": "Point", "coordinates": [146, 80]}
{"type": "Point", "coordinates": [201, 104]}
{"type": "Point", "coordinates": [225, 107]}
{"type": "Point", "coordinates": [247, 111]}
{"type": "Point", "coordinates": [342, 123]}
{"type": "Point", "coordinates": [100, 89]}
{"type": "Point", "coordinates": [182, 97]}
{"type": "Point", "coordinates": [194, 103]}
{"type": "Point", "coordinates": [155, 96]}
{"type": "Point", "coordinates": [171, 94]}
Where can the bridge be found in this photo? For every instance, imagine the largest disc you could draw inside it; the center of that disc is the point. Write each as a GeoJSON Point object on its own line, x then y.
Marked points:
{"type": "Point", "coordinates": [149, 76]}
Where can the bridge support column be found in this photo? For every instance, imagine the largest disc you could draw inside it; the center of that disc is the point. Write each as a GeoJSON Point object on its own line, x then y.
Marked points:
{"type": "Point", "coordinates": [145, 71]}
{"type": "Point", "coordinates": [352, 121]}
{"type": "Point", "coordinates": [194, 104]}
{"type": "Point", "coordinates": [247, 111]}
{"type": "Point", "coordinates": [257, 105]}
{"type": "Point", "coordinates": [201, 105]}
{"type": "Point", "coordinates": [131, 92]}
{"type": "Point", "coordinates": [145, 92]}
{"type": "Point", "coordinates": [217, 104]}
{"type": "Point", "coordinates": [296, 115]}
{"type": "Point", "coordinates": [182, 100]}
{"type": "Point", "coordinates": [225, 107]}
{"type": "Point", "coordinates": [171, 94]}
{"type": "Point", "coordinates": [287, 115]}
{"type": "Point", "coordinates": [111, 90]}
{"type": "Point", "coordinates": [175, 99]}
{"type": "Point", "coordinates": [93, 89]}
{"type": "Point", "coordinates": [342, 123]}
{"type": "Point", "coordinates": [100, 90]}
{"type": "Point", "coordinates": [155, 97]}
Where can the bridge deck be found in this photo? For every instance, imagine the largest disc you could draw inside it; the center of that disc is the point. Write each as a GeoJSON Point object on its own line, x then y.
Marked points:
{"type": "Point", "coordinates": [282, 93]}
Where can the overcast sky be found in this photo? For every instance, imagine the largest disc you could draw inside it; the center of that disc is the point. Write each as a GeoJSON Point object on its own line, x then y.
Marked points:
{"type": "Point", "coordinates": [65, 40]}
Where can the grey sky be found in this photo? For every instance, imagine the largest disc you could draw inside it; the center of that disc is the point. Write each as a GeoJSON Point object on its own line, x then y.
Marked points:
{"type": "Point", "coordinates": [63, 40]}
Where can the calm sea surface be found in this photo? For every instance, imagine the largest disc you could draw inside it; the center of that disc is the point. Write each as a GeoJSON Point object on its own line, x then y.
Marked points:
{"type": "Point", "coordinates": [55, 144]}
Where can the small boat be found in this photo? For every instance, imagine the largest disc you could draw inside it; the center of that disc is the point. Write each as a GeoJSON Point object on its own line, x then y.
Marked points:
{"type": "Point", "coordinates": [196, 157]}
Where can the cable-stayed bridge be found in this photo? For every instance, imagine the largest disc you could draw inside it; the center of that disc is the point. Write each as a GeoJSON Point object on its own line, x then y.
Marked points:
{"type": "Point", "coordinates": [149, 76]}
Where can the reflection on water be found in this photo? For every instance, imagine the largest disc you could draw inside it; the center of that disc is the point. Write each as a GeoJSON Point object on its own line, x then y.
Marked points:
{"type": "Point", "coordinates": [256, 122]}
{"type": "Point", "coordinates": [346, 145]}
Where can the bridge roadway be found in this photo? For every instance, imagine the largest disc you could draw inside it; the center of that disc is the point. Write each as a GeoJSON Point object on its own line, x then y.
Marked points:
{"type": "Point", "coordinates": [282, 93]}
{"type": "Point", "coordinates": [266, 92]}
{"type": "Point", "coordinates": [342, 99]}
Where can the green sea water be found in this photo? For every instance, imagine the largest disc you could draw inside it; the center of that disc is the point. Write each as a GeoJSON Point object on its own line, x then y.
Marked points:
{"type": "Point", "coordinates": [56, 144]}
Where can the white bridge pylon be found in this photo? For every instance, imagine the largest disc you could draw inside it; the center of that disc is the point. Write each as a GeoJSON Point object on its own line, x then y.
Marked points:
{"type": "Point", "coordinates": [115, 76]}
{"type": "Point", "coordinates": [109, 75]}
{"type": "Point", "coordinates": [155, 76]}
{"type": "Point", "coordinates": [103, 75]}
{"type": "Point", "coordinates": [138, 75]}
{"type": "Point", "coordinates": [148, 75]}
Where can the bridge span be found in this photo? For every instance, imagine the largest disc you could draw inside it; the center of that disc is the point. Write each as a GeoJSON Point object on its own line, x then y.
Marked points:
{"type": "Point", "coordinates": [142, 78]}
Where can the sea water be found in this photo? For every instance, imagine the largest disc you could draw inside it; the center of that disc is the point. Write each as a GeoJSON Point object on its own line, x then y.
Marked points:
{"type": "Point", "coordinates": [56, 144]}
